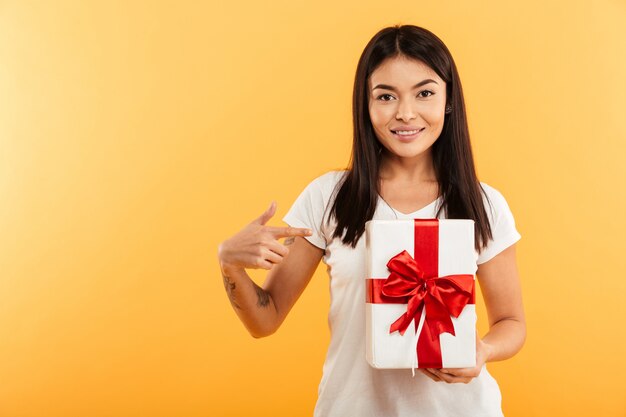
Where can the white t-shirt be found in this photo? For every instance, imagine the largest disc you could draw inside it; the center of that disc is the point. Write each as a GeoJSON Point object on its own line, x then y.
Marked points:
{"type": "Point", "coordinates": [349, 385]}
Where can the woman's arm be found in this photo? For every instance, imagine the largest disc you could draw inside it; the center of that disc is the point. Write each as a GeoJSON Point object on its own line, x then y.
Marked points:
{"type": "Point", "coordinates": [262, 310]}
{"type": "Point", "coordinates": [502, 292]}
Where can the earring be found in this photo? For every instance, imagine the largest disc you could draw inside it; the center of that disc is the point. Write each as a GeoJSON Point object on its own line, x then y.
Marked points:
{"type": "Point", "coordinates": [448, 109]}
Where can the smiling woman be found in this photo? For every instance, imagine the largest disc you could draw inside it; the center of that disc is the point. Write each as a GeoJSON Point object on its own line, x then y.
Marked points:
{"type": "Point", "coordinates": [394, 118]}
{"type": "Point", "coordinates": [411, 158]}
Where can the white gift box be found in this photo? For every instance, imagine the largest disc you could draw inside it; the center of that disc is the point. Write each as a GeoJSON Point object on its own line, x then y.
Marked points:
{"type": "Point", "coordinates": [451, 248]}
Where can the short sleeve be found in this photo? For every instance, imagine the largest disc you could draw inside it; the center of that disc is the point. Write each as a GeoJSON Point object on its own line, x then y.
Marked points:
{"type": "Point", "coordinates": [308, 210]}
{"type": "Point", "coordinates": [502, 225]}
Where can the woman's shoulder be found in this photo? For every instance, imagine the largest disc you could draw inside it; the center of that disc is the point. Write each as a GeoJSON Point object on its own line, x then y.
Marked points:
{"type": "Point", "coordinates": [490, 190]}
{"type": "Point", "coordinates": [328, 180]}
{"type": "Point", "coordinates": [493, 198]}
{"type": "Point", "coordinates": [321, 188]}
{"type": "Point", "coordinates": [502, 223]}
{"type": "Point", "coordinates": [310, 208]}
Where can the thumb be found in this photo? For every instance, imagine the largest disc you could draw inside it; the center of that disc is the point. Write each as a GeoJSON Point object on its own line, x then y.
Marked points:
{"type": "Point", "coordinates": [267, 214]}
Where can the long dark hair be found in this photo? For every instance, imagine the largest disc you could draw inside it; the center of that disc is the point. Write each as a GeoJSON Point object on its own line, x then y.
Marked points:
{"type": "Point", "coordinates": [357, 192]}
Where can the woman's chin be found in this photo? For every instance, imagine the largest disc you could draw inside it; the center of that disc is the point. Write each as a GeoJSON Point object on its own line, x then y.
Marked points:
{"type": "Point", "coordinates": [410, 153]}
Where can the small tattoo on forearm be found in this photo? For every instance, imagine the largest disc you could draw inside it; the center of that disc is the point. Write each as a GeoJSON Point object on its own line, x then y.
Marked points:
{"type": "Point", "coordinates": [229, 286]}
{"type": "Point", "coordinates": [290, 240]}
{"type": "Point", "coordinates": [263, 296]}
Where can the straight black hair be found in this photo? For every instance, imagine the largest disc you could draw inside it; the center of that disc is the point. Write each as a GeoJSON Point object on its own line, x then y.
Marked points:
{"type": "Point", "coordinates": [452, 153]}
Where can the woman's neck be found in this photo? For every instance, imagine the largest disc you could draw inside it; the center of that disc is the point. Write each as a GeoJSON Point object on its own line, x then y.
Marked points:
{"type": "Point", "coordinates": [404, 170]}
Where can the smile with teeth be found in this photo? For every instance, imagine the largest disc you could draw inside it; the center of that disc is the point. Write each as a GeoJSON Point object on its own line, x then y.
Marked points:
{"type": "Point", "coordinates": [406, 132]}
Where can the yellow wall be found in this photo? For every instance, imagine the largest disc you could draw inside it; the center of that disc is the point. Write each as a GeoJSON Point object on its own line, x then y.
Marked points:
{"type": "Point", "coordinates": [136, 137]}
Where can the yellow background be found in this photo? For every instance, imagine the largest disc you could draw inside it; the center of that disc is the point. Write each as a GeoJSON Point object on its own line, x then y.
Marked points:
{"type": "Point", "coordinates": [136, 136]}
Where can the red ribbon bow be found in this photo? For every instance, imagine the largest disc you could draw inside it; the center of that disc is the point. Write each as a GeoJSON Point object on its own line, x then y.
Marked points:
{"type": "Point", "coordinates": [441, 296]}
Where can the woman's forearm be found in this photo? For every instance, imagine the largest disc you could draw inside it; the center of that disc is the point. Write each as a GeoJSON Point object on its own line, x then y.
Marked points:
{"type": "Point", "coordinates": [253, 304]}
{"type": "Point", "coordinates": [505, 338]}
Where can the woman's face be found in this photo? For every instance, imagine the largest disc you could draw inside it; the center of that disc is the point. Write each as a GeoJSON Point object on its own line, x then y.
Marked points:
{"type": "Point", "coordinates": [406, 94]}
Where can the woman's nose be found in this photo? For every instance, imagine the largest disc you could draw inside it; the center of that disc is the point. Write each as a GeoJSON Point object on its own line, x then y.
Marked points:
{"type": "Point", "coordinates": [405, 110]}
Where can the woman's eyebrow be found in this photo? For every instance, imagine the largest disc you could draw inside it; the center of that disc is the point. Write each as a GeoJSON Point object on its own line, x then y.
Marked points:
{"type": "Point", "coordinates": [389, 87]}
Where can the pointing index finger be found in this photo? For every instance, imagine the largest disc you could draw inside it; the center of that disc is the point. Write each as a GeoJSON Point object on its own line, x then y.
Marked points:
{"type": "Point", "coordinates": [291, 231]}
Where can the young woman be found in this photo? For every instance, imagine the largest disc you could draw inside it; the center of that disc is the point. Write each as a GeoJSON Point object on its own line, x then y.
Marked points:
{"type": "Point", "coordinates": [411, 158]}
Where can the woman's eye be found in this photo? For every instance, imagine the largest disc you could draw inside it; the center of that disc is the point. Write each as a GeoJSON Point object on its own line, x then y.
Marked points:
{"type": "Point", "coordinates": [429, 93]}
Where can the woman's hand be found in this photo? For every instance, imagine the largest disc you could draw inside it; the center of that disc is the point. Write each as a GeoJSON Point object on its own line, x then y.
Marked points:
{"type": "Point", "coordinates": [464, 375]}
{"type": "Point", "coordinates": [256, 245]}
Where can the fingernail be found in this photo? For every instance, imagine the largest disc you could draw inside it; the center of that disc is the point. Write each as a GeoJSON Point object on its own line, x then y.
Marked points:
{"type": "Point", "coordinates": [309, 232]}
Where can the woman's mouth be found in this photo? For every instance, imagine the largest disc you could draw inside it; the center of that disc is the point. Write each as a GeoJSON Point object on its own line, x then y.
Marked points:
{"type": "Point", "coordinates": [407, 135]}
